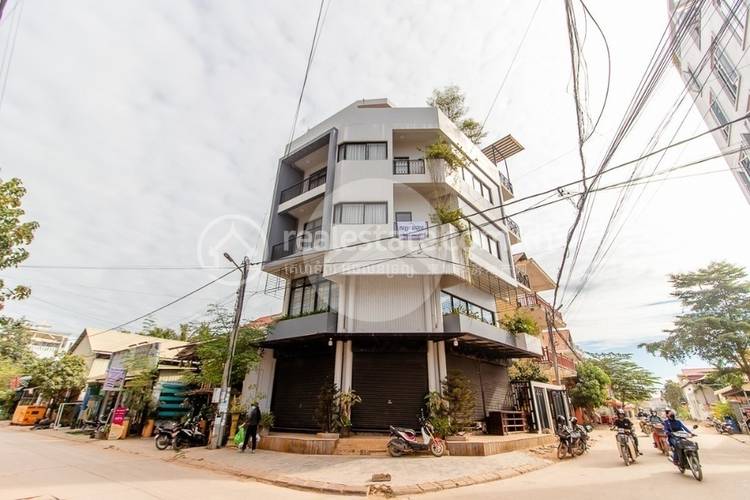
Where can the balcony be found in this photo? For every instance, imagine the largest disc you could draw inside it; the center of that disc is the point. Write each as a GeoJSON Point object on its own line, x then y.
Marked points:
{"type": "Point", "coordinates": [515, 231]}
{"type": "Point", "coordinates": [523, 279]}
{"type": "Point", "coordinates": [311, 324]}
{"type": "Point", "coordinates": [405, 166]}
{"type": "Point", "coordinates": [539, 308]}
{"type": "Point", "coordinates": [306, 241]}
{"type": "Point", "coordinates": [507, 186]}
{"type": "Point", "coordinates": [482, 335]}
{"type": "Point", "coordinates": [562, 360]}
{"type": "Point", "coordinates": [309, 183]}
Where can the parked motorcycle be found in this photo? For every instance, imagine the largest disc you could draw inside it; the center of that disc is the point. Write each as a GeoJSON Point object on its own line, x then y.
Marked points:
{"type": "Point", "coordinates": [686, 453]}
{"type": "Point", "coordinates": [626, 446]}
{"type": "Point", "coordinates": [722, 427]}
{"type": "Point", "coordinates": [44, 423]}
{"type": "Point", "coordinates": [188, 435]}
{"type": "Point", "coordinates": [573, 442]}
{"type": "Point", "coordinates": [163, 435]}
{"type": "Point", "coordinates": [407, 441]}
{"type": "Point", "coordinates": [660, 438]}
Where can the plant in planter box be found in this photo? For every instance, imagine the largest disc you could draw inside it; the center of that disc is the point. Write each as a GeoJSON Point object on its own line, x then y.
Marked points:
{"type": "Point", "coordinates": [438, 409]}
{"type": "Point", "coordinates": [443, 150]}
{"type": "Point", "coordinates": [461, 400]}
{"type": "Point", "coordinates": [520, 322]}
{"type": "Point", "coordinates": [266, 422]}
{"type": "Point", "coordinates": [346, 401]}
{"type": "Point", "coordinates": [327, 412]}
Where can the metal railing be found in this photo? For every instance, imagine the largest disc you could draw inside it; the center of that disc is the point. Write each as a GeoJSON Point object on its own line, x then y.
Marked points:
{"type": "Point", "coordinates": [405, 166]}
{"type": "Point", "coordinates": [306, 184]}
{"type": "Point", "coordinates": [505, 181]}
{"type": "Point", "coordinates": [305, 241]}
{"type": "Point", "coordinates": [523, 278]}
{"type": "Point", "coordinates": [532, 300]}
{"type": "Point", "coordinates": [513, 226]}
{"type": "Point", "coordinates": [562, 360]}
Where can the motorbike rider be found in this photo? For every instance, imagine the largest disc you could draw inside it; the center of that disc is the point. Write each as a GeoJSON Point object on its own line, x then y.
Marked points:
{"type": "Point", "coordinates": [575, 427]}
{"type": "Point", "coordinates": [622, 422]}
{"type": "Point", "coordinates": [671, 425]}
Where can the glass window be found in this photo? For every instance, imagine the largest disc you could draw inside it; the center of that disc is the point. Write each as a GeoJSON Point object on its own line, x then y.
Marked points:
{"type": "Point", "coordinates": [403, 216]}
{"type": "Point", "coordinates": [450, 303]}
{"type": "Point", "coordinates": [446, 303]}
{"type": "Point", "coordinates": [312, 294]}
{"type": "Point", "coordinates": [363, 151]}
{"type": "Point", "coordinates": [488, 317]}
{"type": "Point", "coordinates": [376, 151]}
{"type": "Point", "coordinates": [361, 213]}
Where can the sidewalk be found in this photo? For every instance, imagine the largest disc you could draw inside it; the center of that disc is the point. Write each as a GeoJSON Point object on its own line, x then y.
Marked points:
{"type": "Point", "coordinates": [337, 474]}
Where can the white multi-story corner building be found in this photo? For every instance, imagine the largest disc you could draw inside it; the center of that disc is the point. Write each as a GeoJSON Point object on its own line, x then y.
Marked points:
{"type": "Point", "coordinates": [382, 298]}
{"type": "Point", "coordinates": [712, 59]}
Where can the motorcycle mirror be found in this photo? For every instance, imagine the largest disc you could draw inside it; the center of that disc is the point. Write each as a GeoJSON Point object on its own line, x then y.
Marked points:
{"type": "Point", "coordinates": [695, 426]}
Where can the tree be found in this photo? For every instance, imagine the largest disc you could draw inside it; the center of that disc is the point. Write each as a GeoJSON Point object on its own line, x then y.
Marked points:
{"type": "Point", "coordinates": [520, 322]}
{"type": "Point", "coordinates": [723, 378]}
{"type": "Point", "coordinates": [525, 370]}
{"type": "Point", "coordinates": [672, 394]}
{"type": "Point", "coordinates": [15, 341]}
{"type": "Point", "coordinates": [629, 381]}
{"type": "Point", "coordinates": [151, 329]}
{"type": "Point", "coordinates": [716, 324]}
{"type": "Point", "coordinates": [14, 235]}
{"type": "Point", "coordinates": [451, 101]}
{"type": "Point", "coordinates": [326, 413]}
{"type": "Point", "coordinates": [461, 400]}
{"type": "Point", "coordinates": [212, 337]}
{"type": "Point", "coordinates": [54, 376]}
{"type": "Point", "coordinates": [590, 391]}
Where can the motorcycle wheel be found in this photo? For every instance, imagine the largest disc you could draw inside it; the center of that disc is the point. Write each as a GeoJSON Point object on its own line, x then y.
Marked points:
{"type": "Point", "coordinates": [394, 450]}
{"type": "Point", "coordinates": [695, 466]}
{"type": "Point", "coordinates": [180, 443]}
{"type": "Point", "coordinates": [625, 451]}
{"type": "Point", "coordinates": [562, 450]}
{"type": "Point", "coordinates": [580, 449]}
{"type": "Point", "coordinates": [437, 447]}
{"type": "Point", "coordinates": [162, 441]}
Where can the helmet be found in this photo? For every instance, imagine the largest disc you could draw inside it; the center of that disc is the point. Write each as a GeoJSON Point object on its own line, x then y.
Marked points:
{"type": "Point", "coordinates": [620, 412]}
{"type": "Point", "coordinates": [560, 419]}
{"type": "Point", "coordinates": [573, 421]}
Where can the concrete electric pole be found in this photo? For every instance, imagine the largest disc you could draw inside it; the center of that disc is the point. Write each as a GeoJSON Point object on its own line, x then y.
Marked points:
{"type": "Point", "coordinates": [221, 417]}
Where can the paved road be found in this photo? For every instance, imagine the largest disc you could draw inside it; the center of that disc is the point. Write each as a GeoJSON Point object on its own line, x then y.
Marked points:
{"type": "Point", "coordinates": [601, 474]}
{"type": "Point", "coordinates": [38, 466]}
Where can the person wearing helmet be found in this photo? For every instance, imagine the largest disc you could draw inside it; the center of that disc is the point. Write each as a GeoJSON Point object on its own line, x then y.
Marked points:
{"type": "Point", "coordinates": [623, 422]}
{"type": "Point", "coordinates": [671, 425]}
{"type": "Point", "coordinates": [562, 427]}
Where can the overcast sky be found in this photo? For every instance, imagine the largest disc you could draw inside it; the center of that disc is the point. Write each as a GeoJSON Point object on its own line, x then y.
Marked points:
{"type": "Point", "coordinates": [135, 127]}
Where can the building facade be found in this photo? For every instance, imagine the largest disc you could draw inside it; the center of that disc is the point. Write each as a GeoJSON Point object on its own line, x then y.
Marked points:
{"type": "Point", "coordinates": [711, 59]}
{"type": "Point", "coordinates": [384, 296]}
{"type": "Point", "coordinates": [697, 393]}
{"type": "Point", "coordinates": [47, 344]}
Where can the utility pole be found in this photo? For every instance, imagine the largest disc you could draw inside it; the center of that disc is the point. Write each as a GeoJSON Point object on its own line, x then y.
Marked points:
{"type": "Point", "coordinates": [221, 418]}
{"type": "Point", "coordinates": [550, 328]}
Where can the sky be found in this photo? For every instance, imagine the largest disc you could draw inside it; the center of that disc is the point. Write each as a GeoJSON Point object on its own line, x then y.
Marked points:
{"type": "Point", "coordinates": [143, 133]}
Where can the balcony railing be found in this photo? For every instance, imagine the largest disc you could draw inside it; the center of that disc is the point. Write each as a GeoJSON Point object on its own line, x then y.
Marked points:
{"type": "Point", "coordinates": [513, 226]}
{"type": "Point", "coordinates": [562, 360]}
{"type": "Point", "coordinates": [533, 300]}
{"type": "Point", "coordinates": [305, 241]}
{"type": "Point", "coordinates": [404, 166]}
{"type": "Point", "coordinates": [506, 182]}
{"type": "Point", "coordinates": [523, 278]}
{"type": "Point", "coordinates": [306, 184]}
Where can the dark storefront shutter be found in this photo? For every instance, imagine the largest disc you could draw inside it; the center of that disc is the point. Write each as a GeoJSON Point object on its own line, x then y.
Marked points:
{"type": "Point", "coordinates": [392, 386]}
{"type": "Point", "coordinates": [297, 383]}
{"type": "Point", "coordinates": [494, 382]}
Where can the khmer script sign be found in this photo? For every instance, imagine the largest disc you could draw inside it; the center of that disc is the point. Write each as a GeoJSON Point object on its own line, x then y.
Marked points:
{"type": "Point", "coordinates": [412, 230]}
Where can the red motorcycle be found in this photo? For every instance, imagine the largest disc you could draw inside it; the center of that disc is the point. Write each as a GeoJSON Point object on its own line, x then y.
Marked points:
{"type": "Point", "coordinates": [408, 441]}
{"type": "Point", "coordinates": [660, 438]}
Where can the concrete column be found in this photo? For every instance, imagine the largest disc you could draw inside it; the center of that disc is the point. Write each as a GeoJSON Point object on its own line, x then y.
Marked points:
{"type": "Point", "coordinates": [346, 376]}
{"type": "Point", "coordinates": [442, 365]}
{"type": "Point", "coordinates": [258, 383]}
{"type": "Point", "coordinates": [338, 366]}
{"type": "Point", "coordinates": [432, 375]}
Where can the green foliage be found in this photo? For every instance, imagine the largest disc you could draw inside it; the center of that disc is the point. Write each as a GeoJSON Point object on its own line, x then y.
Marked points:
{"type": "Point", "coordinates": [438, 409]}
{"type": "Point", "coordinates": [151, 329]}
{"type": "Point", "coordinates": [461, 400]}
{"type": "Point", "coordinates": [15, 341]}
{"type": "Point", "coordinates": [327, 411]}
{"type": "Point", "coordinates": [726, 377]}
{"type": "Point", "coordinates": [442, 150]}
{"type": "Point", "coordinates": [14, 235]}
{"type": "Point", "coordinates": [139, 394]}
{"type": "Point", "coordinates": [267, 420]}
{"type": "Point", "coordinates": [590, 391]}
{"type": "Point", "coordinates": [521, 322]}
{"type": "Point", "coordinates": [213, 338]}
{"type": "Point", "coordinates": [9, 370]}
{"type": "Point", "coordinates": [683, 413]}
{"type": "Point", "coordinates": [526, 370]}
{"type": "Point", "coordinates": [716, 324]}
{"type": "Point", "coordinates": [722, 410]}
{"type": "Point", "coordinates": [54, 376]}
{"type": "Point", "coordinates": [452, 102]}
{"type": "Point", "coordinates": [629, 381]}
{"type": "Point", "coordinates": [672, 394]}
{"type": "Point", "coordinates": [346, 401]}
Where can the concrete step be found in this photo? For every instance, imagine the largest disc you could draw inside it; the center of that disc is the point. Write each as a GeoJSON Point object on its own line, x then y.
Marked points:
{"type": "Point", "coordinates": [362, 445]}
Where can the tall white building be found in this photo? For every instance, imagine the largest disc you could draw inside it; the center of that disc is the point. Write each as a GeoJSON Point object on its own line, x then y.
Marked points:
{"type": "Point", "coordinates": [382, 296]}
{"type": "Point", "coordinates": [712, 59]}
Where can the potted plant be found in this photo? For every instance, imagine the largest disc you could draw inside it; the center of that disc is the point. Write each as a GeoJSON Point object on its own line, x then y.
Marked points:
{"type": "Point", "coordinates": [266, 422]}
{"type": "Point", "coordinates": [327, 411]}
{"type": "Point", "coordinates": [346, 401]}
{"type": "Point", "coordinates": [235, 410]}
{"type": "Point", "coordinates": [152, 408]}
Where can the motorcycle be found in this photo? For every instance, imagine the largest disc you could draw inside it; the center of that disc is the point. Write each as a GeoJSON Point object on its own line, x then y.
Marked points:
{"type": "Point", "coordinates": [44, 423]}
{"type": "Point", "coordinates": [187, 436]}
{"type": "Point", "coordinates": [573, 442]}
{"type": "Point", "coordinates": [626, 446]}
{"type": "Point", "coordinates": [686, 455]}
{"type": "Point", "coordinates": [646, 427]}
{"type": "Point", "coordinates": [660, 438]}
{"type": "Point", "coordinates": [406, 440]}
{"type": "Point", "coordinates": [722, 427]}
{"type": "Point", "coordinates": [163, 436]}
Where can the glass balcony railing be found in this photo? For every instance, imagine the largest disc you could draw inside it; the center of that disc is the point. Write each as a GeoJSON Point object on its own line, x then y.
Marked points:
{"type": "Point", "coordinates": [306, 184]}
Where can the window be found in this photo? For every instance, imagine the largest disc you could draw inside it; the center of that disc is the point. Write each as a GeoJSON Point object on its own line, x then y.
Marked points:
{"type": "Point", "coordinates": [451, 304]}
{"type": "Point", "coordinates": [720, 117]}
{"type": "Point", "coordinates": [312, 294]}
{"type": "Point", "coordinates": [403, 216]}
{"type": "Point", "coordinates": [363, 151]}
{"type": "Point", "coordinates": [478, 186]}
{"type": "Point", "coordinates": [402, 165]}
{"type": "Point", "coordinates": [725, 70]}
{"type": "Point", "coordinates": [735, 17]}
{"type": "Point", "coordinates": [311, 234]}
{"type": "Point", "coordinates": [486, 242]}
{"type": "Point", "coordinates": [361, 213]}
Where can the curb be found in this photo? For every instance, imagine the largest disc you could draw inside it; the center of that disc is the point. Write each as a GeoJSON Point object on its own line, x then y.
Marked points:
{"type": "Point", "coordinates": [334, 488]}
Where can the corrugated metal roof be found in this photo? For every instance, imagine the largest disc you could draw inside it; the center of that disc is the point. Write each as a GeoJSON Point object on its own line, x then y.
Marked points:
{"type": "Point", "coordinates": [502, 148]}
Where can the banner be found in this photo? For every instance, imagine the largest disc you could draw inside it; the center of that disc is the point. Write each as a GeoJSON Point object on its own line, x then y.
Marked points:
{"type": "Point", "coordinates": [412, 230]}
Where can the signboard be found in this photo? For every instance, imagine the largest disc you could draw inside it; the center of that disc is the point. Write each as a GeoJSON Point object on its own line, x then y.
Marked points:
{"type": "Point", "coordinates": [216, 396]}
{"type": "Point", "coordinates": [115, 379]}
{"type": "Point", "coordinates": [118, 416]}
{"type": "Point", "coordinates": [147, 356]}
{"type": "Point", "coordinates": [412, 230]}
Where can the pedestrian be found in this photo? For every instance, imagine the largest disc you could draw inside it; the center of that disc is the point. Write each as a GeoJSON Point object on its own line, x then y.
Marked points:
{"type": "Point", "coordinates": [251, 427]}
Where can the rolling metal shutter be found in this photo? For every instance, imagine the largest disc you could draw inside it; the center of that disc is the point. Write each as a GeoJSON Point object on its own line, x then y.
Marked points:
{"type": "Point", "coordinates": [392, 386]}
{"type": "Point", "coordinates": [490, 394]}
{"type": "Point", "coordinates": [296, 385]}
